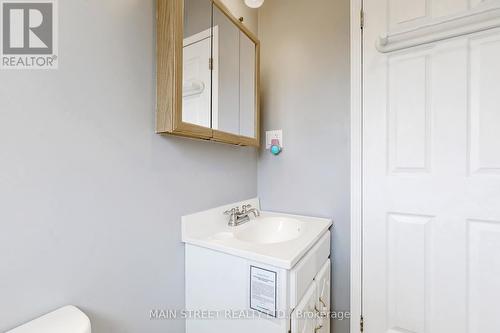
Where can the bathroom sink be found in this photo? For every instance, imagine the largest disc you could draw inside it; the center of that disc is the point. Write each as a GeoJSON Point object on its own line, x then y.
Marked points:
{"type": "Point", "coordinates": [270, 230]}
{"type": "Point", "coordinates": [274, 239]}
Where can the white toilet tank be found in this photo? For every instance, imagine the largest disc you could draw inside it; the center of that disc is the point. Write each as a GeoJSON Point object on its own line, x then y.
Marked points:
{"type": "Point", "coordinates": [68, 319]}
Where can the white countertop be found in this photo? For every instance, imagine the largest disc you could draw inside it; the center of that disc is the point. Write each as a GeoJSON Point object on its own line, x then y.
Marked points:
{"type": "Point", "coordinates": [204, 229]}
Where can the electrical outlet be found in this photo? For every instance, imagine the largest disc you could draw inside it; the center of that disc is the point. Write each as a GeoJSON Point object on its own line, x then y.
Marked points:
{"type": "Point", "coordinates": [276, 134]}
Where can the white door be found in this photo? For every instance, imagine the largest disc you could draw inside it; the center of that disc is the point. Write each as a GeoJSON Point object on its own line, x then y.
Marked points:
{"type": "Point", "coordinates": [196, 90]}
{"type": "Point", "coordinates": [323, 297]}
{"type": "Point", "coordinates": [304, 317]}
{"type": "Point", "coordinates": [431, 198]}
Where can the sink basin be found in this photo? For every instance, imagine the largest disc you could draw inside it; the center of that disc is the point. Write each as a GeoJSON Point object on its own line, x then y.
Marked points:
{"type": "Point", "coordinates": [270, 230]}
{"type": "Point", "coordinates": [274, 239]}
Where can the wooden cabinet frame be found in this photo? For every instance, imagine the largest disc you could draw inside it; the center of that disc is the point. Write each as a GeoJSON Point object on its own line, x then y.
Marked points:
{"type": "Point", "coordinates": [170, 25]}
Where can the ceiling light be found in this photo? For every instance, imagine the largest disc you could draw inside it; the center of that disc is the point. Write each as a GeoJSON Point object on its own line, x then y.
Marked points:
{"type": "Point", "coordinates": [254, 3]}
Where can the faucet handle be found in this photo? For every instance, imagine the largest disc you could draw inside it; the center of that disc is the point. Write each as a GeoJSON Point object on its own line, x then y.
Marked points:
{"type": "Point", "coordinates": [245, 208]}
{"type": "Point", "coordinates": [232, 211]}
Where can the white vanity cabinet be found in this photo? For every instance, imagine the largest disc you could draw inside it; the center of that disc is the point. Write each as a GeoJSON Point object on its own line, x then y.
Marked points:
{"type": "Point", "coordinates": [316, 301]}
{"type": "Point", "coordinates": [219, 284]}
{"type": "Point", "coordinates": [323, 285]}
{"type": "Point", "coordinates": [270, 275]}
{"type": "Point", "coordinates": [300, 324]}
{"type": "Point", "coordinates": [310, 290]}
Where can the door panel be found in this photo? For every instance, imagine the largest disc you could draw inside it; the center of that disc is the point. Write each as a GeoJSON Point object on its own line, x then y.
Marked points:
{"type": "Point", "coordinates": [483, 273]}
{"type": "Point", "coordinates": [409, 145]}
{"type": "Point", "coordinates": [323, 285]}
{"type": "Point", "coordinates": [407, 265]}
{"type": "Point", "coordinates": [431, 170]}
{"type": "Point", "coordinates": [304, 315]}
{"type": "Point", "coordinates": [404, 14]}
{"type": "Point", "coordinates": [485, 99]}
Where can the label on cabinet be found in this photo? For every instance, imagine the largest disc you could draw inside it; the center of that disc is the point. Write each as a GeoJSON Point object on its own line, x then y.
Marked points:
{"type": "Point", "coordinates": [263, 290]}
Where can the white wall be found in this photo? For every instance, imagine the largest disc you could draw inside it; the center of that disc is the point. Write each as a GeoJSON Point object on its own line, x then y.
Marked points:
{"type": "Point", "coordinates": [305, 86]}
{"type": "Point", "coordinates": [90, 197]}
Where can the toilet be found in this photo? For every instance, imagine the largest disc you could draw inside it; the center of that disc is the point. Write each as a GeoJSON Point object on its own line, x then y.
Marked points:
{"type": "Point", "coordinates": [64, 320]}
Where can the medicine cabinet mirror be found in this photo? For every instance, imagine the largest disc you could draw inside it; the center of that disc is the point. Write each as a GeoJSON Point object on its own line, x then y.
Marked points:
{"type": "Point", "coordinates": [207, 73]}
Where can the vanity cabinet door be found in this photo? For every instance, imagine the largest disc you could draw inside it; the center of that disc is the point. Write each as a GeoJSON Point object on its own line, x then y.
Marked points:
{"type": "Point", "coordinates": [323, 283]}
{"type": "Point", "coordinates": [304, 318]}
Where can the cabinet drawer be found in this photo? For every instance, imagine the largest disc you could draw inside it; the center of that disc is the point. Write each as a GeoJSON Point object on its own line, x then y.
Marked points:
{"type": "Point", "coordinates": [307, 268]}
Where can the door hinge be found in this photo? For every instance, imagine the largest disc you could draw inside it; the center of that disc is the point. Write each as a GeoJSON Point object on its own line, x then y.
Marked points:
{"type": "Point", "coordinates": [361, 324]}
{"type": "Point", "coordinates": [362, 19]}
{"type": "Point", "coordinates": [211, 64]}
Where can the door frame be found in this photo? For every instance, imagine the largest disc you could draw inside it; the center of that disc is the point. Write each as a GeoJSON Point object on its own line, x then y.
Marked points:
{"type": "Point", "coordinates": [356, 165]}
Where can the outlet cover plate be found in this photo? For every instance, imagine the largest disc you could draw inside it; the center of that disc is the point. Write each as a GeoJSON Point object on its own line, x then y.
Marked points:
{"type": "Point", "coordinates": [276, 134]}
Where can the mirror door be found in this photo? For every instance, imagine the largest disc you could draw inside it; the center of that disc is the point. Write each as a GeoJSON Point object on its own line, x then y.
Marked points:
{"type": "Point", "coordinates": [236, 49]}
{"type": "Point", "coordinates": [197, 66]}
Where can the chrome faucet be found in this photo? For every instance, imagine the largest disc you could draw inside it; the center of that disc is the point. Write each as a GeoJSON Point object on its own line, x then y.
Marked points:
{"type": "Point", "coordinates": [237, 217]}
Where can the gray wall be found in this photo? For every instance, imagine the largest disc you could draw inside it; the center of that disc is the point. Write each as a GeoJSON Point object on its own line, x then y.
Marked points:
{"type": "Point", "coordinates": [197, 16]}
{"type": "Point", "coordinates": [90, 197]}
{"type": "Point", "coordinates": [305, 84]}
